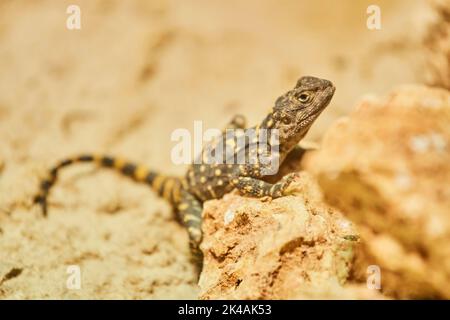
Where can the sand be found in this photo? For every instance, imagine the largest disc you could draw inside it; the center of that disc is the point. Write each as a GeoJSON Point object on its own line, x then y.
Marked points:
{"type": "Point", "coordinates": [136, 71]}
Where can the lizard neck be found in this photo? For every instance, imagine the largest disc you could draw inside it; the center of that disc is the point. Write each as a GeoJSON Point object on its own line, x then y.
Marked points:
{"type": "Point", "coordinates": [288, 136]}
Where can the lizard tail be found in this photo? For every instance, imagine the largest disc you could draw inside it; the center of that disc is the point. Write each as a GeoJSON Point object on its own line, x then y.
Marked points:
{"type": "Point", "coordinates": [167, 187]}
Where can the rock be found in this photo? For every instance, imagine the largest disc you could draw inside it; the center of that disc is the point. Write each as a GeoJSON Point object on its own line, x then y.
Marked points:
{"type": "Point", "coordinates": [437, 44]}
{"type": "Point", "coordinates": [293, 247]}
{"type": "Point", "coordinates": [387, 167]}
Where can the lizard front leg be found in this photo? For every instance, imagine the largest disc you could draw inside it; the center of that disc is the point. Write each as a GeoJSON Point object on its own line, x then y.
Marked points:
{"type": "Point", "coordinates": [258, 188]}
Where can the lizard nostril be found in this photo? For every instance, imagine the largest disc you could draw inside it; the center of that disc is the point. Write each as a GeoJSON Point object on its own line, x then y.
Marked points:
{"type": "Point", "coordinates": [327, 84]}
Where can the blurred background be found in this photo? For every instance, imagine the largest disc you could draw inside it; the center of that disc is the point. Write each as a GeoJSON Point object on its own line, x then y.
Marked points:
{"type": "Point", "coordinates": [134, 72]}
{"type": "Point", "coordinates": [139, 69]}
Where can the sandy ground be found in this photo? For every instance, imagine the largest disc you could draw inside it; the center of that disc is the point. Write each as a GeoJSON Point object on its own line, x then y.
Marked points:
{"type": "Point", "coordinates": [136, 71]}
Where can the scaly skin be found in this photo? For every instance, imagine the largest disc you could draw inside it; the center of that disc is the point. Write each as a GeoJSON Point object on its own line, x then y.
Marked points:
{"type": "Point", "coordinates": [292, 116]}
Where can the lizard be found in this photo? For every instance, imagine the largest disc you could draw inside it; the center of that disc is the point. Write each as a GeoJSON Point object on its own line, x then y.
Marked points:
{"type": "Point", "coordinates": [292, 115]}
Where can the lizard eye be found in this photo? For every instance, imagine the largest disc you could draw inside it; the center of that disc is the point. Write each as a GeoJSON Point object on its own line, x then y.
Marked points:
{"type": "Point", "coordinates": [304, 97]}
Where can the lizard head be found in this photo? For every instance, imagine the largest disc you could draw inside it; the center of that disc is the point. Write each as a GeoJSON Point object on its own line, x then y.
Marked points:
{"type": "Point", "coordinates": [296, 110]}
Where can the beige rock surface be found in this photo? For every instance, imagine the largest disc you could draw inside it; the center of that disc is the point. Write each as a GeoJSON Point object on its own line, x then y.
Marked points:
{"type": "Point", "coordinates": [288, 248]}
{"type": "Point", "coordinates": [387, 166]}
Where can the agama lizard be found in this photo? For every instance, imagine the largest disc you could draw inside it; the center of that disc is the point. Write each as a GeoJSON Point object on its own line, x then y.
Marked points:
{"type": "Point", "coordinates": [292, 116]}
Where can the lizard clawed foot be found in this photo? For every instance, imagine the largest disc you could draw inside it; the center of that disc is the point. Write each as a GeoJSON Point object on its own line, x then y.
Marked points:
{"type": "Point", "coordinates": [281, 188]}
{"type": "Point", "coordinates": [287, 183]}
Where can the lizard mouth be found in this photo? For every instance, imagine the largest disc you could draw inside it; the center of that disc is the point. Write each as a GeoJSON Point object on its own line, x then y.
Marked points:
{"type": "Point", "coordinates": [327, 96]}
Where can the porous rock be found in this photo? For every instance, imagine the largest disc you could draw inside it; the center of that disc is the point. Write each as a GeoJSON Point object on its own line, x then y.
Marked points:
{"type": "Point", "coordinates": [387, 167]}
{"type": "Point", "coordinates": [293, 247]}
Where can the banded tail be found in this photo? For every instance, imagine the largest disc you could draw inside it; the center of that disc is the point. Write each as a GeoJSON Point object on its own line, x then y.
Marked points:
{"type": "Point", "coordinates": [167, 187]}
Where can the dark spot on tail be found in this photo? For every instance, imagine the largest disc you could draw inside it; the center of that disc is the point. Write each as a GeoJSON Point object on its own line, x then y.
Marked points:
{"type": "Point", "coordinates": [14, 272]}
{"type": "Point", "coordinates": [150, 177]}
{"type": "Point", "coordinates": [85, 158]}
{"type": "Point", "coordinates": [41, 200]}
{"type": "Point", "coordinates": [107, 161]}
{"type": "Point", "coordinates": [65, 163]}
{"type": "Point", "coordinates": [38, 199]}
{"type": "Point", "coordinates": [129, 169]}
{"type": "Point", "coordinates": [46, 184]}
